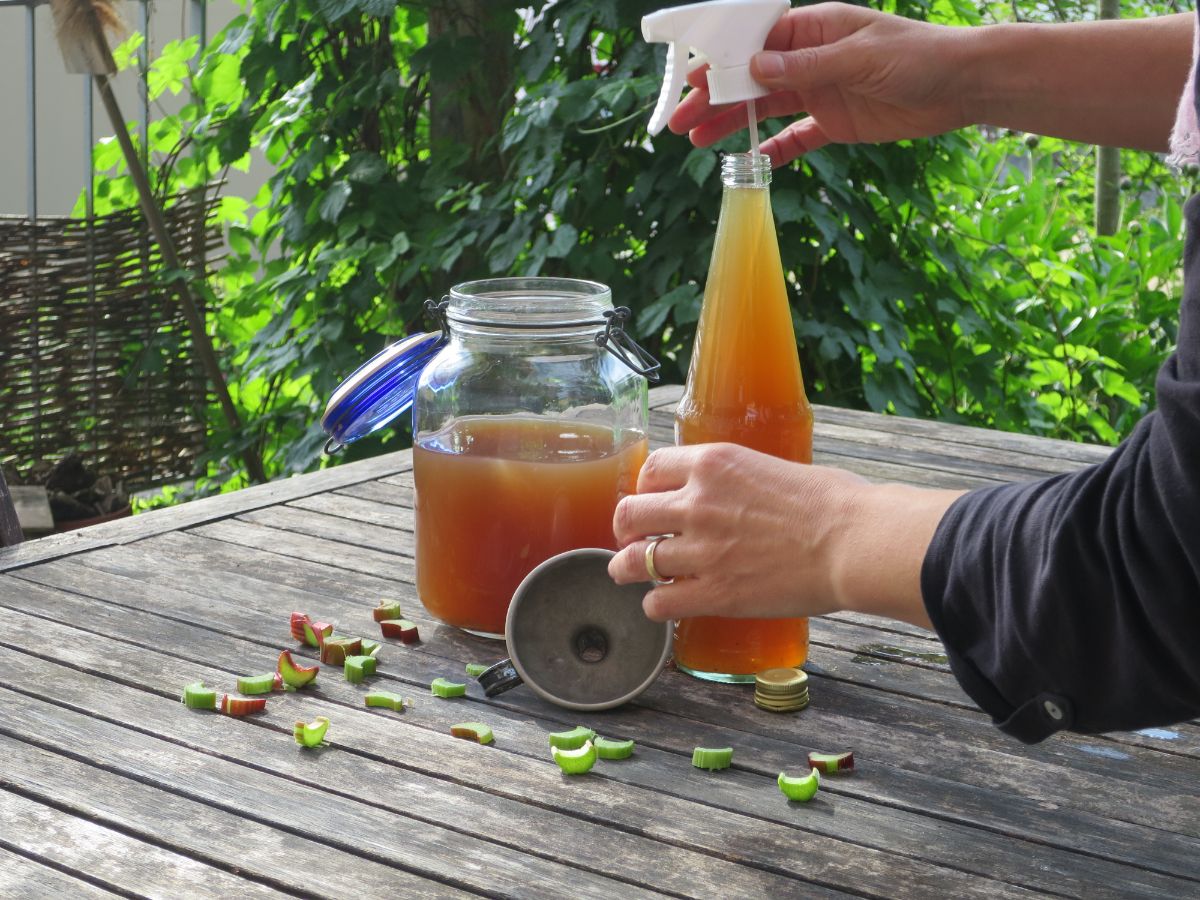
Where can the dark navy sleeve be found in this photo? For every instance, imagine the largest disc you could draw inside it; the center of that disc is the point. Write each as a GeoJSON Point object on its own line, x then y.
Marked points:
{"type": "Point", "coordinates": [1074, 602]}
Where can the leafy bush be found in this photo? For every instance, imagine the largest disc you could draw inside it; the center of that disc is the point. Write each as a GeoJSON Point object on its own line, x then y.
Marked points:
{"type": "Point", "coordinates": [956, 278]}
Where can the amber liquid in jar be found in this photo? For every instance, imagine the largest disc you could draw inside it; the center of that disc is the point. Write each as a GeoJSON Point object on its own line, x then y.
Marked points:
{"type": "Point", "coordinates": [497, 495]}
{"type": "Point", "coordinates": [744, 387]}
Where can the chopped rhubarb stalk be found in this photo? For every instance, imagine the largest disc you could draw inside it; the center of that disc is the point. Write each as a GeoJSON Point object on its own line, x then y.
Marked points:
{"type": "Point", "coordinates": [358, 668]}
{"type": "Point", "coordinates": [403, 629]}
{"type": "Point", "coordinates": [334, 650]}
{"type": "Point", "coordinates": [606, 749]}
{"type": "Point", "coordinates": [294, 675]}
{"type": "Point", "coordinates": [577, 761]}
{"type": "Point", "coordinates": [832, 763]}
{"type": "Point", "coordinates": [370, 647]}
{"type": "Point", "coordinates": [472, 731]}
{"type": "Point", "coordinates": [803, 788]}
{"type": "Point", "coordinates": [311, 734]}
{"type": "Point", "coordinates": [386, 701]}
{"type": "Point", "coordinates": [476, 669]}
{"type": "Point", "coordinates": [197, 696]}
{"type": "Point", "coordinates": [302, 628]}
{"type": "Point", "coordinates": [242, 706]}
{"type": "Point", "coordinates": [573, 739]}
{"type": "Point", "coordinates": [256, 684]}
{"type": "Point", "coordinates": [387, 609]}
{"type": "Point", "coordinates": [316, 632]}
{"type": "Point", "coordinates": [442, 687]}
{"type": "Point", "coordinates": [278, 684]}
{"type": "Point", "coordinates": [712, 758]}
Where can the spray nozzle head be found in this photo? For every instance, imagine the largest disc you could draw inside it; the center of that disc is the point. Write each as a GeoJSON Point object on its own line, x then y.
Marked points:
{"type": "Point", "coordinates": [723, 33]}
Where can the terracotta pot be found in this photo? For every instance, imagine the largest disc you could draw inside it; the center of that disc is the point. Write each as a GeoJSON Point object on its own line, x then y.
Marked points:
{"type": "Point", "coordinates": [72, 524]}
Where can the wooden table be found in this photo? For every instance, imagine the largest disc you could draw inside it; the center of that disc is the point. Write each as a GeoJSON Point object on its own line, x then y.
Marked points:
{"type": "Point", "coordinates": [108, 784]}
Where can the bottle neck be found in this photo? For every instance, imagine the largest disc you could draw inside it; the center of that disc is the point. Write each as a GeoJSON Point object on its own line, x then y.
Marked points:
{"type": "Point", "coordinates": [745, 170]}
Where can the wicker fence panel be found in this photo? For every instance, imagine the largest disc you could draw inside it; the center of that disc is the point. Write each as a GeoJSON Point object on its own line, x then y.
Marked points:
{"type": "Point", "coordinates": [95, 355]}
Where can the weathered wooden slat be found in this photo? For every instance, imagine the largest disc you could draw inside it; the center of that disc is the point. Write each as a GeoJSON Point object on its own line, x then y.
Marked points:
{"type": "Point", "coordinates": [875, 823]}
{"type": "Point", "coordinates": [24, 879]}
{"type": "Point", "coordinates": [208, 509]}
{"type": "Point", "coordinates": [381, 492]}
{"type": "Point", "coordinates": [335, 528]}
{"type": "Point", "coordinates": [106, 857]}
{"type": "Point", "coordinates": [357, 509]}
{"type": "Point", "coordinates": [342, 821]}
{"type": "Point", "coordinates": [281, 859]}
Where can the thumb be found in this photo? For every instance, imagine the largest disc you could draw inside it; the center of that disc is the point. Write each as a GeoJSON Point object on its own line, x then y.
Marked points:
{"type": "Point", "coordinates": [801, 70]}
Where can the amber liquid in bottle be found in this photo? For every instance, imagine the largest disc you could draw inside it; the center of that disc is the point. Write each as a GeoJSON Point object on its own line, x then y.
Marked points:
{"type": "Point", "coordinates": [744, 387]}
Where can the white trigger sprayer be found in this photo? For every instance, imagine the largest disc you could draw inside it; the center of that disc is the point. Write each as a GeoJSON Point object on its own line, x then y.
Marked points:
{"type": "Point", "coordinates": [723, 33]}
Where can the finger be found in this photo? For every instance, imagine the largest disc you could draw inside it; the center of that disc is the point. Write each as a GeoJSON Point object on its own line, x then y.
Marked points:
{"type": "Point", "coordinates": [667, 469]}
{"type": "Point", "coordinates": [726, 120]}
{"type": "Point", "coordinates": [806, 68]}
{"type": "Point", "coordinates": [670, 561]}
{"type": "Point", "coordinates": [698, 77]}
{"type": "Point", "coordinates": [676, 600]}
{"type": "Point", "coordinates": [640, 515]}
{"type": "Point", "coordinates": [794, 141]}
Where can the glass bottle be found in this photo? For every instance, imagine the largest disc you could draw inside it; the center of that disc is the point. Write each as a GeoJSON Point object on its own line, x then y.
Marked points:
{"type": "Point", "coordinates": [744, 386]}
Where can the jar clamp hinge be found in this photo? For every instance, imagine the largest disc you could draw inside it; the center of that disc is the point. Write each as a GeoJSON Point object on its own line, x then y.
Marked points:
{"type": "Point", "coordinates": [620, 344]}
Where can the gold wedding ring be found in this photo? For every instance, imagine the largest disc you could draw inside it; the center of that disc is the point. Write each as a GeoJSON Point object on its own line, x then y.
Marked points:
{"type": "Point", "coordinates": [651, 546]}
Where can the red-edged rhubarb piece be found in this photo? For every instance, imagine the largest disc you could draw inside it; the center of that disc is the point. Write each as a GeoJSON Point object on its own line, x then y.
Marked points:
{"type": "Point", "coordinates": [387, 609]}
{"type": "Point", "coordinates": [242, 706]}
{"type": "Point", "coordinates": [403, 629]}
{"type": "Point", "coordinates": [334, 650]}
{"type": "Point", "coordinates": [279, 685]}
{"type": "Point", "coordinates": [300, 622]}
{"type": "Point", "coordinates": [311, 734]}
{"type": "Point", "coordinates": [832, 763]}
{"type": "Point", "coordinates": [315, 633]}
{"type": "Point", "coordinates": [293, 674]}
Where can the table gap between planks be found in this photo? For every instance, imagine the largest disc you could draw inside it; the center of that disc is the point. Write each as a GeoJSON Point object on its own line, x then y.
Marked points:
{"type": "Point", "coordinates": [111, 787]}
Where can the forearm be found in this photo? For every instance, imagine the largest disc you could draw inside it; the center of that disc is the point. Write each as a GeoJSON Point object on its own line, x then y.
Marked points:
{"type": "Point", "coordinates": [1112, 83]}
{"type": "Point", "coordinates": [879, 548]}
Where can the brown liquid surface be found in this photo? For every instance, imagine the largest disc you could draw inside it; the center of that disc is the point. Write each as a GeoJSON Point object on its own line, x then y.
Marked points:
{"type": "Point", "coordinates": [745, 387]}
{"type": "Point", "coordinates": [496, 496]}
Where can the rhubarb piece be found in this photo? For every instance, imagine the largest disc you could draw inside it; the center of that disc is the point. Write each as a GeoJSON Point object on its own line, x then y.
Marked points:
{"type": "Point", "coordinates": [357, 668]}
{"type": "Point", "coordinates": [277, 684]}
{"type": "Point", "coordinates": [370, 647]}
{"type": "Point", "coordinates": [316, 632]}
{"type": "Point", "coordinates": [441, 687]}
{"type": "Point", "coordinates": [577, 761]}
{"type": "Point", "coordinates": [387, 609]}
{"type": "Point", "coordinates": [301, 622]}
{"type": "Point", "coordinates": [832, 763]}
{"type": "Point", "coordinates": [386, 701]}
{"type": "Point", "coordinates": [803, 788]}
{"type": "Point", "coordinates": [403, 629]}
{"type": "Point", "coordinates": [573, 739]}
{"type": "Point", "coordinates": [606, 749]}
{"type": "Point", "coordinates": [242, 706]}
{"type": "Point", "coordinates": [472, 731]}
{"type": "Point", "coordinates": [257, 684]}
{"type": "Point", "coordinates": [294, 675]}
{"type": "Point", "coordinates": [197, 696]}
{"type": "Point", "coordinates": [476, 669]}
{"type": "Point", "coordinates": [334, 650]}
{"type": "Point", "coordinates": [311, 734]}
{"type": "Point", "coordinates": [712, 758]}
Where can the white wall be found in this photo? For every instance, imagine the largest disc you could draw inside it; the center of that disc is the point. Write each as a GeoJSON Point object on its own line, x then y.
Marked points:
{"type": "Point", "coordinates": [61, 142]}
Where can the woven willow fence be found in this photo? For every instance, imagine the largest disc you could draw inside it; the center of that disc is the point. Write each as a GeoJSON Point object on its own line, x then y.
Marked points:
{"type": "Point", "coordinates": [95, 356]}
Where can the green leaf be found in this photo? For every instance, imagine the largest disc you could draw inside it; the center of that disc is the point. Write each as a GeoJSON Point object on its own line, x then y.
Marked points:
{"type": "Point", "coordinates": [699, 164]}
{"type": "Point", "coordinates": [562, 241]}
{"type": "Point", "coordinates": [334, 201]}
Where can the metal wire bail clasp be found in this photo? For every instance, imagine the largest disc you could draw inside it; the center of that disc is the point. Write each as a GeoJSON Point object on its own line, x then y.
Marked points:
{"type": "Point", "coordinates": [436, 310]}
{"type": "Point", "coordinates": [618, 342]}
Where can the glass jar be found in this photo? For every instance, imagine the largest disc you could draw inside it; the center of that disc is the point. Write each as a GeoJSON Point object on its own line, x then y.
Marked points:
{"type": "Point", "coordinates": [529, 424]}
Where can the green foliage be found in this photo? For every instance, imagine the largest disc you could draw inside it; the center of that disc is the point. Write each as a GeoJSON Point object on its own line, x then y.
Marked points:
{"type": "Point", "coordinates": [956, 277]}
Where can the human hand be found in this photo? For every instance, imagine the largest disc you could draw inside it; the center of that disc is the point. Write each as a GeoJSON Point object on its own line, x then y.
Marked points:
{"type": "Point", "coordinates": [860, 75]}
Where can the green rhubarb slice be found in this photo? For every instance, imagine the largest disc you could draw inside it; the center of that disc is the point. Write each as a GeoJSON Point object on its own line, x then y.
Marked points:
{"type": "Point", "coordinates": [197, 696]}
{"type": "Point", "coordinates": [476, 669]}
{"type": "Point", "coordinates": [357, 668]}
{"type": "Point", "coordinates": [370, 647]}
{"type": "Point", "coordinates": [315, 633]}
{"type": "Point", "coordinates": [832, 763]}
{"type": "Point", "coordinates": [336, 648]}
{"type": "Point", "coordinates": [442, 687]}
{"type": "Point", "coordinates": [472, 731]}
{"type": "Point", "coordinates": [712, 758]}
{"type": "Point", "coordinates": [256, 684]}
{"type": "Point", "coordinates": [311, 734]}
{"type": "Point", "coordinates": [293, 674]}
{"type": "Point", "coordinates": [577, 761]}
{"type": "Point", "coordinates": [802, 788]}
{"type": "Point", "coordinates": [387, 609]}
{"type": "Point", "coordinates": [573, 739]}
{"type": "Point", "coordinates": [386, 700]}
{"type": "Point", "coordinates": [606, 749]}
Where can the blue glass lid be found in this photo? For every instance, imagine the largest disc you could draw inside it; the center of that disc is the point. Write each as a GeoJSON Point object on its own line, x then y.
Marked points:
{"type": "Point", "coordinates": [379, 391]}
